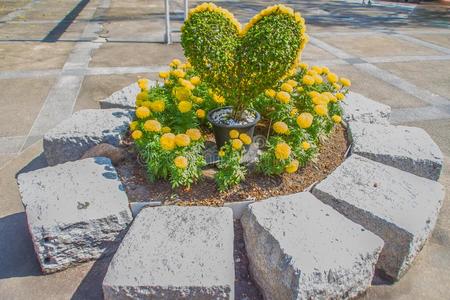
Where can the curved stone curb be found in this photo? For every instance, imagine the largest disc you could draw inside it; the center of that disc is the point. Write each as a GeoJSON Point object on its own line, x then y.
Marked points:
{"type": "Point", "coordinates": [173, 252]}
{"type": "Point", "coordinates": [124, 98]}
{"type": "Point", "coordinates": [300, 248]}
{"type": "Point", "coordinates": [74, 211]}
{"type": "Point", "coordinates": [400, 207]}
{"type": "Point", "coordinates": [409, 149]}
{"type": "Point", "coordinates": [357, 107]}
{"type": "Point", "coordinates": [70, 139]}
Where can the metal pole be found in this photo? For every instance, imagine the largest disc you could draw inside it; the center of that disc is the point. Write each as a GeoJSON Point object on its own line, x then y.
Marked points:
{"type": "Point", "coordinates": [186, 9]}
{"type": "Point", "coordinates": [168, 38]}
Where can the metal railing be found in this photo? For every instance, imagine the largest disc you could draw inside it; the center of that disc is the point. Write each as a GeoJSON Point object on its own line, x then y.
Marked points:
{"type": "Point", "coordinates": [168, 34]}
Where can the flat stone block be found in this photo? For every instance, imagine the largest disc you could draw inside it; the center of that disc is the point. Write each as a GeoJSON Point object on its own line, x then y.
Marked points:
{"type": "Point", "coordinates": [124, 98]}
{"type": "Point", "coordinates": [300, 248]}
{"type": "Point", "coordinates": [175, 252]}
{"type": "Point", "coordinates": [398, 206]}
{"type": "Point", "coordinates": [360, 108]}
{"type": "Point", "coordinates": [410, 149]}
{"type": "Point", "coordinates": [70, 139]}
{"type": "Point", "coordinates": [74, 211]}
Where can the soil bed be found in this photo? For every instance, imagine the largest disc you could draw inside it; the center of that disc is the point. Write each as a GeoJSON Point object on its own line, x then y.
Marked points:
{"type": "Point", "coordinates": [255, 187]}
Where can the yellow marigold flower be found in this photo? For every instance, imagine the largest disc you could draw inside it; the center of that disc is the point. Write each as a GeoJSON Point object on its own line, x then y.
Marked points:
{"type": "Point", "coordinates": [164, 75]}
{"type": "Point", "coordinates": [345, 81]}
{"type": "Point", "coordinates": [158, 106]}
{"type": "Point", "coordinates": [221, 153]}
{"type": "Point", "coordinates": [152, 126]}
{"type": "Point", "coordinates": [218, 99]}
{"type": "Point", "coordinates": [200, 113]}
{"type": "Point", "coordinates": [300, 89]}
{"type": "Point", "coordinates": [137, 134]}
{"type": "Point", "coordinates": [146, 103]}
{"type": "Point", "coordinates": [168, 82]}
{"type": "Point", "coordinates": [308, 80]}
{"type": "Point", "coordinates": [236, 144]}
{"type": "Point", "coordinates": [292, 167]}
{"type": "Point", "coordinates": [303, 65]}
{"type": "Point", "coordinates": [182, 140]}
{"type": "Point", "coordinates": [332, 78]}
{"type": "Point", "coordinates": [179, 73]}
{"type": "Point", "coordinates": [194, 134]}
{"type": "Point", "coordinates": [292, 83]}
{"type": "Point", "coordinates": [245, 138]}
{"type": "Point", "coordinates": [181, 162]}
{"type": "Point", "coordinates": [142, 96]}
{"type": "Point", "coordinates": [340, 96]}
{"type": "Point", "coordinates": [305, 145]}
{"type": "Point", "coordinates": [182, 93]}
{"type": "Point", "coordinates": [133, 125]}
{"type": "Point", "coordinates": [318, 79]}
{"type": "Point", "coordinates": [283, 97]}
{"type": "Point", "coordinates": [325, 70]}
{"type": "Point", "coordinates": [320, 99]}
{"type": "Point", "coordinates": [270, 93]}
{"type": "Point", "coordinates": [328, 95]}
{"type": "Point", "coordinates": [282, 151]}
{"type": "Point", "coordinates": [166, 129]}
{"type": "Point", "coordinates": [318, 69]}
{"type": "Point", "coordinates": [293, 112]}
{"type": "Point", "coordinates": [287, 87]}
{"type": "Point", "coordinates": [175, 62]}
{"type": "Point", "coordinates": [305, 120]}
{"type": "Point", "coordinates": [313, 94]}
{"type": "Point", "coordinates": [311, 72]}
{"type": "Point", "coordinates": [167, 141]}
{"type": "Point", "coordinates": [195, 80]}
{"type": "Point", "coordinates": [336, 119]}
{"type": "Point", "coordinates": [186, 83]}
{"type": "Point", "coordinates": [143, 83]}
{"type": "Point", "coordinates": [197, 100]}
{"type": "Point", "coordinates": [321, 109]}
{"type": "Point", "coordinates": [280, 127]}
{"type": "Point", "coordinates": [234, 134]}
{"type": "Point", "coordinates": [184, 106]}
{"type": "Point", "coordinates": [142, 112]}
{"type": "Point", "coordinates": [336, 86]}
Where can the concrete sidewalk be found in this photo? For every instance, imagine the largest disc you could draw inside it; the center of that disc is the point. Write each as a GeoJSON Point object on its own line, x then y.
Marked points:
{"type": "Point", "coordinates": [397, 54]}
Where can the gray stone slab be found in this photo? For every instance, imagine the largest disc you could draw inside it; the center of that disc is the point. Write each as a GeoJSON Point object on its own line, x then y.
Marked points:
{"type": "Point", "coordinates": [398, 206]}
{"type": "Point", "coordinates": [300, 248]}
{"type": "Point", "coordinates": [70, 139]}
{"type": "Point", "coordinates": [173, 252]}
{"type": "Point", "coordinates": [74, 211]}
{"type": "Point", "coordinates": [410, 149]}
{"type": "Point", "coordinates": [360, 108]}
{"type": "Point", "coordinates": [124, 98]}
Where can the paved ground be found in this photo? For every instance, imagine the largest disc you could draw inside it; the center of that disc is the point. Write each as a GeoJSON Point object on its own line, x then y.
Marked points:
{"type": "Point", "coordinates": [59, 56]}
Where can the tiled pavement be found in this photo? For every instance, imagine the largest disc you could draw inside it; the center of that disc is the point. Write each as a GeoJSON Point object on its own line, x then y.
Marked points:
{"type": "Point", "coordinates": [398, 54]}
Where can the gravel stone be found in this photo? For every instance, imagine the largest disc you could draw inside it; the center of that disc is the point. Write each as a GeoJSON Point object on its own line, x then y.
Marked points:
{"type": "Point", "coordinates": [399, 207]}
{"type": "Point", "coordinates": [409, 149]}
{"type": "Point", "coordinates": [70, 139]}
{"type": "Point", "coordinates": [300, 248]}
{"type": "Point", "coordinates": [74, 211]}
{"type": "Point", "coordinates": [360, 108]}
{"type": "Point", "coordinates": [173, 252]}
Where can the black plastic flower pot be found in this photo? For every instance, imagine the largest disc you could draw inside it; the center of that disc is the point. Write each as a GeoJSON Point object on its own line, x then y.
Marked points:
{"type": "Point", "coordinates": [222, 130]}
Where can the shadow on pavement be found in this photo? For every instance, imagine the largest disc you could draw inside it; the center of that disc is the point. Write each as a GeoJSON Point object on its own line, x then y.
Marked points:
{"type": "Point", "coordinates": [17, 257]}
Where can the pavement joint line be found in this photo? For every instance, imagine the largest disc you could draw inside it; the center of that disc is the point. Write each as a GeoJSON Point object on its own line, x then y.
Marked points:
{"type": "Point", "coordinates": [428, 113]}
{"type": "Point", "coordinates": [409, 58]}
{"type": "Point", "coordinates": [422, 43]}
{"type": "Point", "coordinates": [14, 14]}
{"type": "Point", "coordinates": [62, 96]}
{"type": "Point", "coordinates": [29, 73]}
{"type": "Point", "coordinates": [11, 144]}
{"type": "Point", "coordinates": [330, 49]}
{"type": "Point", "coordinates": [403, 85]}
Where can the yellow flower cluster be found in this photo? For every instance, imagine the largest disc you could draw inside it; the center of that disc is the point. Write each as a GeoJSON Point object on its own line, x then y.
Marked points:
{"type": "Point", "coordinates": [184, 106]}
{"type": "Point", "coordinates": [282, 151]}
{"type": "Point", "coordinates": [181, 162]}
{"type": "Point", "coordinates": [218, 99]}
{"type": "Point", "coordinates": [292, 167]}
{"type": "Point", "coordinates": [143, 84]}
{"type": "Point", "coordinates": [280, 127]}
{"type": "Point", "coordinates": [182, 140]}
{"type": "Point", "coordinates": [304, 120]}
{"type": "Point", "coordinates": [238, 139]}
{"type": "Point", "coordinates": [152, 126]}
{"type": "Point", "coordinates": [167, 141]}
{"type": "Point", "coordinates": [200, 113]}
{"type": "Point", "coordinates": [142, 112]}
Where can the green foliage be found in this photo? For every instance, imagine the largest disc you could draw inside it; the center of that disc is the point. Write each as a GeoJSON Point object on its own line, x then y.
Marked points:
{"type": "Point", "coordinates": [231, 172]}
{"type": "Point", "coordinates": [241, 66]}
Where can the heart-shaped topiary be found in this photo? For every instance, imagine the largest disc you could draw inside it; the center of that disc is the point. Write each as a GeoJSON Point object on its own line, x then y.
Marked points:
{"type": "Point", "coordinates": [241, 63]}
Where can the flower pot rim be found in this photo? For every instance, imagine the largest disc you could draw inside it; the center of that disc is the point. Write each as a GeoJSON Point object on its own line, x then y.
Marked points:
{"type": "Point", "coordinates": [250, 124]}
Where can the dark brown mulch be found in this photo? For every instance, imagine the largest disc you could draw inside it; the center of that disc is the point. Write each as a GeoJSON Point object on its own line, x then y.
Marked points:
{"type": "Point", "coordinates": [255, 186]}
